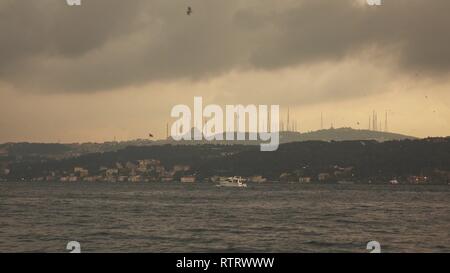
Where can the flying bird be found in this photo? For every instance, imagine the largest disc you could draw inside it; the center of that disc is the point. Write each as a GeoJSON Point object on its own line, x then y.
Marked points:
{"type": "Point", "coordinates": [189, 11]}
{"type": "Point", "coordinates": [150, 135]}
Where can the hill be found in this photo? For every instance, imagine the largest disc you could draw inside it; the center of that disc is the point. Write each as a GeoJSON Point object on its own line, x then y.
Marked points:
{"type": "Point", "coordinates": [332, 134]}
{"type": "Point", "coordinates": [342, 134]}
{"type": "Point", "coordinates": [59, 151]}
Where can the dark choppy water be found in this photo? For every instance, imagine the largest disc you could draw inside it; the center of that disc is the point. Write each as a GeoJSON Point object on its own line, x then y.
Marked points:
{"type": "Point", "coordinates": [43, 217]}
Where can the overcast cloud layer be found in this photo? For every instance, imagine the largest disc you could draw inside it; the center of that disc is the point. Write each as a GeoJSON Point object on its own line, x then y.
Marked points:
{"type": "Point", "coordinates": [108, 44]}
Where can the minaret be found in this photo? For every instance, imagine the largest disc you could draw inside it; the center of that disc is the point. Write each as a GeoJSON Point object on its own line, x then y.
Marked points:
{"type": "Point", "coordinates": [374, 121]}
{"type": "Point", "coordinates": [287, 124]}
{"type": "Point", "coordinates": [167, 130]}
{"type": "Point", "coordinates": [321, 121]}
{"type": "Point", "coordinates": [386, 122]}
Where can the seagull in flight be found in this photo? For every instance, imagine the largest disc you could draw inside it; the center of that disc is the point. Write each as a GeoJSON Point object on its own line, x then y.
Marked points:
{"type": "Point", "coordinates": [189, 11]}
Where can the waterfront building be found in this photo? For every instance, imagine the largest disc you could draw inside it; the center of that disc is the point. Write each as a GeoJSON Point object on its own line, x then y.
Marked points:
{"type": "Point", "coordinates": [305, 179]}
{"type": "Point", "coordinates": [188, 179]}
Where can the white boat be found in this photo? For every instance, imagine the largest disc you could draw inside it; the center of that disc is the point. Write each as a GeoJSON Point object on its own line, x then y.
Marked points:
{"type": "Point", "coordinates": [394, 182]}
{"type": "Point", "coordinates": [232, 182]}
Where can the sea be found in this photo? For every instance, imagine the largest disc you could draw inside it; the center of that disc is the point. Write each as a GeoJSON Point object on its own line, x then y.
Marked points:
{"type": "Point", "coordinates": [200, 217]}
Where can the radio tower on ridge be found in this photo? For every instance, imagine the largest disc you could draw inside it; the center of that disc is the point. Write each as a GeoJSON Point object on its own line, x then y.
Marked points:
{"type": "Point", "coordinates": [386, 122]}
{"type": "Point", "coordinates": [287, 124]}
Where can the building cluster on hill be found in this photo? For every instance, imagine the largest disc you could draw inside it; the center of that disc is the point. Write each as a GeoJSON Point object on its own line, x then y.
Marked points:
{"type": "Point", "coordinates": [148, 170]}
{"type": "Point", "coordinates": [349, 175]}
{"type": "Point", "coordinates": [152, 170]}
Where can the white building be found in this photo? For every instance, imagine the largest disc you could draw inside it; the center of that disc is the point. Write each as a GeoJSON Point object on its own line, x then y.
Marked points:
{"type": "Point", "coordinates": [306, 179]}
{"type": "Point", "coordinates": [81, 171]}
{"type": "Point", "coordinates": [112, 172]}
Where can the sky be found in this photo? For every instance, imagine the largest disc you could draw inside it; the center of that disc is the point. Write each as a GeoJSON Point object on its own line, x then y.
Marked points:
{"type": "Point", "coordinates": [113, 69]}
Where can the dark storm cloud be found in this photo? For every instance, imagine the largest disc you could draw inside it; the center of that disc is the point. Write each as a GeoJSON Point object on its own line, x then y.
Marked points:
{"type": "Point", "coordinates": [417, 30]}
{"type": "Point", "coordinates": [104, 44]}
{"type": "Point", "coordinates": [36, 27]}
